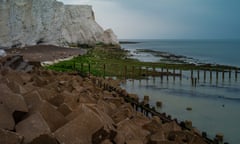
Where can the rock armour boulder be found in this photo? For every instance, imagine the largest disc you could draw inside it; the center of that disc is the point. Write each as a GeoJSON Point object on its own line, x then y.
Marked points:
{"type": "Point", "coordinates": [81, 112]}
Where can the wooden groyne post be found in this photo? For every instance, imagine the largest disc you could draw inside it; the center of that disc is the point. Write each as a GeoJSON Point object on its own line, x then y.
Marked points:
{"type": "Point", "coordinates": [104, 70]}
{"type": "Point", "coordinates": [210, 75]}
{"type": "Point", "coordinates": [133, 71]}
{"type": "Point", "coordinates": [194, 81]}
{"type": "Point", "coordinates": [167, 74]}
{"type": "Point", "coordinates": [230, 74]}
{"type": "Point", "coordinates": [223, 75]}
{"type": "Point", "coordinates": [147, 110]}
{"type": "Point", "coordinates": [140, 71]}
{"type": "Point", "coordinates": [146, 71]}
{"type": "Point", "coordinates": [174, 74]}
{"type": "Point", "coordinates": [81, 67]}
{"type": "Point", "coordinates": [236, 74]}
{"type": "Point", "coordinates": [198, 74]}
{"type": "Point", "coordinates": [180, 74]}
{"type": "Point", "coordinates": [204, 76]}
{"type": "Point", "coordinates": [89, 69]}
{"type": "Point", "coordinates": [74, 65]}
{"type": "Point", "coordinates": [125, 72]}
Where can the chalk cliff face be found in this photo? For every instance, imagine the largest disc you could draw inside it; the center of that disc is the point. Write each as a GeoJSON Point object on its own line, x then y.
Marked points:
{"type": "Point", "coordinates": [31, 22]}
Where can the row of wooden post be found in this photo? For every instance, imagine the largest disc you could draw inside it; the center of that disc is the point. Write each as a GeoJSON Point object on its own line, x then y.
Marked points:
{"type": "Point", "coordinates": [147, 110]}
{"type": "Point", "coordinates": [217, 74]}
{"type": "Point", "coordinates": [125, 74]}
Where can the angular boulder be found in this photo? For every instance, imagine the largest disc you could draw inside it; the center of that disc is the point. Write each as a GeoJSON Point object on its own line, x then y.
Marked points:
{"type": "Point", "coordinates": [89, 120]}
{"type": "Point", "coordinates": [7, 137]}
{"type": "Point", "coordinates": [123, 112]}
{"type": "Point", "coordinates": [6, 119]}
{"type": "Point", "coordinates": [32, 127]}
{"type": "Point", "coordinates": [53, 118]}
{"type": "Point", "coordinates": [130, 131]}
{"type": "Point", "coordinates": [14, 102]}
{"type": "Point", "coordinates": [154, 126]}
{"type": "Point", "coordinates": [16, 87]}
{"type": "Point", "coordinates": [64, 109]}
{"type": "Point", "coordinates": [44, 139]}
{"type": "Point", "coordinates": [33, 100]}
{"type": "Point", "coordinates": [171, 126]}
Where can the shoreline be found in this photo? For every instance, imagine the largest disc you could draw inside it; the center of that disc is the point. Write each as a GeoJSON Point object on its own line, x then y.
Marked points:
{"type": "Point", "coordinates": [179, 51]}
{"type": "Point", "coordinates": [106, 85]}
{"type": "Point", "coordinates": [170, 58]}
{"type": "Point", "coordinates": [110, 94]}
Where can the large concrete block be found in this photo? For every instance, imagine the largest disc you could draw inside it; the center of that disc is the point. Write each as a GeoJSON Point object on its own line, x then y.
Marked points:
{"type": "Point", "coordinates": [12, 75]}
{"type": "Point", "coordinates": [53, 118]}
{"type": "Point", "coordinates": [108, 108]}
{"type": "Point", "coordinates": [102, 135]}
{"type": "Point", "coordinates": [6, 119]}
{"type": "Point", "coordinates": [158, 137]}
{"type": "Point", "coordinates": [171, 126]}
{"type": "Point", "coordinates": [57, 100]}
{"type": "Point", "coordinates": [70, 99]}
{"type": "Point", "coordinates": [32, 127]}
{"type": "Point", "coordinates": [39, 81]}
{"type": "Point", "coordinates": [107, 141]}
{"type": "Point", "coordinates": [76, 86]}
{"type": "Point", "coordinates": [136, 141]}
{"type": "Point", "coordinates": [185, 136]}
{"type": "Point", "coordinates": [44, 139]}
{"type": "Point", "coordinates": [128, 131]}
{"type": "Point", "coordinates": [64, 109]}
{"type": "Point", "coordinates": [140, 119]}
{"type": "Point", "coordinates": [123, 112]}
{"type": "Point", "coordinates": [85, 97]}
{"type": "Point", "coordinates": [30, 87]}
{"type": "Point", "coordinates": [16, 87]}
{"type": "Point", "coordinates": [7, 137]}
{"type": "Point", "coordinates": [118, 101]}
{"type": "Point", "coordinates": [33, 100]}
{"type": "Point", "coordinates": [153, 126]}
{"type": "Point", "coordinates": [14, 102]}
{"type": "Point", "coordinates": [80, 130]}
{"type": "Point", "coordinates": [46, 94]}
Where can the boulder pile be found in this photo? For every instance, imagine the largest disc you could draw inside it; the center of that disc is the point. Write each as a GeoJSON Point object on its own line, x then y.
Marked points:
{"type": "Point", "coordinates": [48, 107]}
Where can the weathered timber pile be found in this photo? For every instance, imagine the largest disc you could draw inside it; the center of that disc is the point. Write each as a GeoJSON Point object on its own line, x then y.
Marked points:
{"type": "Point", "coordinates": [63, 108]}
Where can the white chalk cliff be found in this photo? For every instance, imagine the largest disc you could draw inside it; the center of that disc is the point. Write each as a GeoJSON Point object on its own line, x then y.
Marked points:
{"type": "Point", "coordinates": [31, 22]}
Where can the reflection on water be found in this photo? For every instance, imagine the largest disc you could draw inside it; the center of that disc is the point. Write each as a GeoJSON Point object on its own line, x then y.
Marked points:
{"type": "Point", "coordinates": [215, 101]}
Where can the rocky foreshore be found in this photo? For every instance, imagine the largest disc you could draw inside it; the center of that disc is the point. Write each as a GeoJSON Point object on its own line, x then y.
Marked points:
{"type": "Point", "coordinates": [41, 106]}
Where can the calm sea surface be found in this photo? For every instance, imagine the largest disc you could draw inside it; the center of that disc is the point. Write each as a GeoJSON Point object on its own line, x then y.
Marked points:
{"type": "Point", "coordinates": [226, 52]}
{"type": "Point", "coordinates": [215, 103]}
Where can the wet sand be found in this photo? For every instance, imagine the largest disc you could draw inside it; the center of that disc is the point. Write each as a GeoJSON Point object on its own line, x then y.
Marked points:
{"type": "Point", "coordinates": [43, 53]}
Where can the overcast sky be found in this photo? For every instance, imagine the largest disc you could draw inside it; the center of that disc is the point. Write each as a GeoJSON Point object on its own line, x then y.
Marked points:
{"type": "Point", "coordinates": [168, 19]}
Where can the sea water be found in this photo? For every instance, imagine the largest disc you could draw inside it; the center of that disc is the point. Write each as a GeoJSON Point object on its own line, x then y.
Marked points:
{"type": "Point", "coordinates": [225, 52]}
{"type": "Point", "coordinates": [215, 103]}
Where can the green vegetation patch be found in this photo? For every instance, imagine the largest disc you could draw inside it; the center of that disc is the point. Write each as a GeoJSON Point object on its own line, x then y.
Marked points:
{"type": "Point", "coordinates": [111, 61]}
